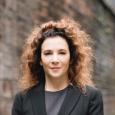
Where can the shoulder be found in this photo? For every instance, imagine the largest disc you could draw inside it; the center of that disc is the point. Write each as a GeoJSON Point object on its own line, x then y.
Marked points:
{"type": "Point", "coordinates": [94, 95]}
{"type": "Point", "coordinates": [89, 91]}
{"type": "Point", "coordinates": [93, 91]}
{"type": "Point", "coordinates": [23, 94]}
{"type": "Point", "coordinates": [21, 100]}
{"type": "Point", "coordinates": [90, 94]}
{"type": "Point", "coordinates": [95, 101]}
{"type": "Point", "coordinates": [19, 97]}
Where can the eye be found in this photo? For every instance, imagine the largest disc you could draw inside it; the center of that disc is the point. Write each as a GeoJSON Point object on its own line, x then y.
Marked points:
{"type": "Point", "coordinates": [47, 53]}
{"type": "Point", "coordinates": [62, 53]}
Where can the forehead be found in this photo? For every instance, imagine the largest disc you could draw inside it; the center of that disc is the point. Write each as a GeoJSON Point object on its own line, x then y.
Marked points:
{"type": "Point", "coordinates": [56, 42]}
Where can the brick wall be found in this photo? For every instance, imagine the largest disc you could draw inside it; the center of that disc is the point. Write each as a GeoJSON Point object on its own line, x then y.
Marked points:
{"type": "Point", "coordinates": [18, 17]}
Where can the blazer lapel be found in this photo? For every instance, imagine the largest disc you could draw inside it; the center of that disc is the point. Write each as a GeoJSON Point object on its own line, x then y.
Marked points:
{"type": "Point", "coordinates": [37, 97]}
{"type": "Point", "coordinates": [70, 100]}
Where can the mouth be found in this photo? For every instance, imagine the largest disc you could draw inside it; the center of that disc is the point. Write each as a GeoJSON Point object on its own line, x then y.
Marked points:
{"type": "Point", "coordinates": [55, 68]}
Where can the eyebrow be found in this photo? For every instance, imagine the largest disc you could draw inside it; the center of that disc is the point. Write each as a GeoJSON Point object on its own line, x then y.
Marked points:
{"type": "Point", "coordinates": [51, 50]}
{"type": "Point", "coordinates": [47, 51]}
{"type": "Point", "coordinates": [62, 50]}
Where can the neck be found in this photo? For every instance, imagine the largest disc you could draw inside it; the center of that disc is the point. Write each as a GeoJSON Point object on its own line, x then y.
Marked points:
{"type": "Point", "coordinates": [56, 84]}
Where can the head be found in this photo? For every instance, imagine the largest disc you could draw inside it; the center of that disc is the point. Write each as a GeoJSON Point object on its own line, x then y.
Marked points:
{"type": "Point", "coordinates": [55, 58]}
{"type": "Point", "coordinates": [72, 39]}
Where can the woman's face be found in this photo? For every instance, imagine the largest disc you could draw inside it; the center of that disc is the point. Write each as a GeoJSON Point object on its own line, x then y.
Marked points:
{"type": "Point", "coordinates": [55, 57]}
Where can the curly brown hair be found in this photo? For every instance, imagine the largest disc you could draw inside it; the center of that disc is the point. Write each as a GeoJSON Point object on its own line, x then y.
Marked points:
{"type": "Point", "coordinates": [79, 42]}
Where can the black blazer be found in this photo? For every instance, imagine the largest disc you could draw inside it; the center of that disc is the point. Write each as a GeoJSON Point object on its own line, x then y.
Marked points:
{"type": "Point", "coordinates": [32, 102]}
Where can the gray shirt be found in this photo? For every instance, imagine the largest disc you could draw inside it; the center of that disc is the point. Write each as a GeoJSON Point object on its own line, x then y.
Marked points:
{"type": "Point", "coordinates": [54, 100]}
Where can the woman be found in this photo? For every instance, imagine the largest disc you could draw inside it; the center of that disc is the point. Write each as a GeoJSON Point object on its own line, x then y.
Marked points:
{"type": "Point", "coordinates": [57, 73]}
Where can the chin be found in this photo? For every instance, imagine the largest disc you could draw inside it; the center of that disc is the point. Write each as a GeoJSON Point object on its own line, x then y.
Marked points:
{"type": "Point", "coordinates": [56, 76]}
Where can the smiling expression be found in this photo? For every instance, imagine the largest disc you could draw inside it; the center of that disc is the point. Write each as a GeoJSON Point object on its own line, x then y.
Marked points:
{"type": "Point", "coordinates": [55, 57]}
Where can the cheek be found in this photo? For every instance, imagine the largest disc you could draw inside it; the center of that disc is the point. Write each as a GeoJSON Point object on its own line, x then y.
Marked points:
{"type": "Point", "coordinates": [66, 61]}
{"type": "Point", "coordinates": [44, 60]}
{"type": "Point", "coordinates": [44, 64]}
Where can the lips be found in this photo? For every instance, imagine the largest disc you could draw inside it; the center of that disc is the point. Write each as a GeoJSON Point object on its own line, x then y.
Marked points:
{"type": "Point", "coordinates": [55, 68]}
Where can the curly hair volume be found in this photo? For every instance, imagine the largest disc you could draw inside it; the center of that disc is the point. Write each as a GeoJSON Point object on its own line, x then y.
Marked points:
{"type": "Point", "coordinates": [79, 42]}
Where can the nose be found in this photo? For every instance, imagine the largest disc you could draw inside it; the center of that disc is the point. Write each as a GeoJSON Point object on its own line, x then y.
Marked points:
{"type": "Point", "coordinates": [55, 59]}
